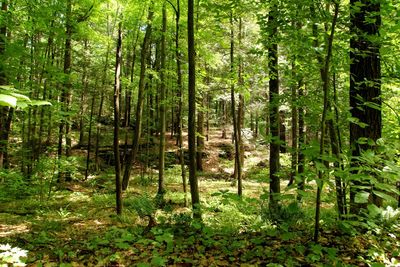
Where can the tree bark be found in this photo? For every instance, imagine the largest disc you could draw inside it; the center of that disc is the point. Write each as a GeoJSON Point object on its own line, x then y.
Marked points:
{"type": "Point", "coordinates": [274, 155]}
{"type": "Point", "coordinates": [200, 135]}
{"type": "Point", "coordinates": [192, 113]}
{"type": "Point", "coordinates": [117, 89]}
{"type": "Point", "coordinates": [294, 151]}
{"type": "Point", "coordinates": [4, 111]}
{"type": "Point", "coordinates": [161, 155]}
{"type": "Point", "coordinates": [365, 86]}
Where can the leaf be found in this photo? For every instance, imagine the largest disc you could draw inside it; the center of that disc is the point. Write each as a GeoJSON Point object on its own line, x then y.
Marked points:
{"type": "Point", "coordinates": [384, 196]}
{"type": "Point", "coordinates": [22, 105]}
{"type": "Point", "coordinates": [361, 197]}
{"type": "Point", "coordinates": [158, 261]}
{"type": "Point", "coordinates": [374, 210]}
{"type": "Point", "coordinates": [40, 103]}
{"type": "Point", "coordinates": [7, 87]}
{"type": "Point", "coordinates": [21, 97]}
{"type": "Point", "coordinates": [8, 101]}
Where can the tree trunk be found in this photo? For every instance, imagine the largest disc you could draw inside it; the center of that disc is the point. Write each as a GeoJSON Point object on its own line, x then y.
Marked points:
{"type": "Point", "coordinates": [302, 139]}
{"type": "Point", "coordinates": [192, 113]}
{"type": "Point", "coordinates": [117, 89]}
{"type": "Point", "coordinates": [200, 135]}
{"type": "Point", "coordinates": [180, 99]}
{"type": "Point", "coordinates": [139, 107]}
{"type": "Point", "coordinates": [274, 164]}
{"type": "Point", "coordinates": [66, 93]}
{"type": "Point", "coordinates": [294, 151]}
{"type": "Point", "coordinates": [325, 79]}
{"type": "Point", "coordinates": [161, 155]}
{"type": "Point", "coordinates": [365, 86]}
{"type": "Point", "coordinates": [4, 111]}
{"type": "Point", "coordinates": [89, 144]}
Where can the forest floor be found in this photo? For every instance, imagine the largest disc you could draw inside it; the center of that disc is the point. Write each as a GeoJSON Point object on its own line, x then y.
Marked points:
{"type": "Point", "coordinates": [77, 225]}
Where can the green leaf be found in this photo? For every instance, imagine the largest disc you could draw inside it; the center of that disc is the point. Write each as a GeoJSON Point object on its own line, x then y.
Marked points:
{"type": "Point", "coordinates": [40, 103]}
{"type": "Point", "coordinates": [362, 197]}
{"type": "Point", "coordinates": [8, 101]}
{"type": "Point", "coordinates": [384, 196]}
{"type": "Point", "coordinates": [21, 97]}
{"type": "Point", "coordinates": [22, 105]}
{"type": "Point", "coordinates": [374, 210]}
{"type": "Point", "coordinates": [7, 87]}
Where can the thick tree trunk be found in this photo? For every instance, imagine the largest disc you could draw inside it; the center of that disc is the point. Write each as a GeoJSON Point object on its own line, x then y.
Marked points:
{"type": "Point", "coordinates": [194, 189]}
{"type": "Point", "coordinates": [274, 164]}
{"type": "Point", "coordinates": [365, 85]}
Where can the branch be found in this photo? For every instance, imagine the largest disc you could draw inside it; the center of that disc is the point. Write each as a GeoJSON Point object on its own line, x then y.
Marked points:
{"type": "Point", "coordinates": [85, 16]}
{"type": "Point", "coordinates": [173, 6]}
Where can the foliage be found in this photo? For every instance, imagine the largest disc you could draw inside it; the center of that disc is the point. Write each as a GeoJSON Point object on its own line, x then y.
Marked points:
{"type": "Point", "coordinates": [12, 255]}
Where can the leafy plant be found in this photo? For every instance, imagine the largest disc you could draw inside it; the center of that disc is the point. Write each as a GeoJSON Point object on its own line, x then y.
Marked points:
{"type": "Point", "coordinates": [12, 255]}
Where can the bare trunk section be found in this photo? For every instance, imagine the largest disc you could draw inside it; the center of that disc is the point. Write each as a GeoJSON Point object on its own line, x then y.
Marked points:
{"type": "Point", "coordinates": [274, 155]}
{"type": "Point", "coordinates": [200, 135]}
{"type": "Point", "coordinates": [194, 188]}
{"type": "Point", "coordinates": [294, 151]}
{"type": "Point", "coordinates": [4, 111]}
{"type": "Point", "coordinates": [161, 155]}
{"type": "Point", "coordinates": [117, 90]}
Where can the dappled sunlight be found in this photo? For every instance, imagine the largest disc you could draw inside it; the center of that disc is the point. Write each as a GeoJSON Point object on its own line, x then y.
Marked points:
{"type": "Point", "coordinates": [12, 230]}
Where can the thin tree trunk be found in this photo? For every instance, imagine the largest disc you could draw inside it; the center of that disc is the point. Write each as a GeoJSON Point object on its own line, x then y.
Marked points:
{"type": "Point", "coordinates": [66, 94]}
{"type": "Point", "coordinates": [180, 98]}
{"type": "Point", "coordinates": [4, 111]}
{"type": "Point", "coordinates": [294, 151]}
{"type": "Point", "coordinates": [161, 155]}
{"type": "Point", "coordinates": [139, 107]}
{"type": "Point", "coordinates": [300, 146]}
{"type": "Point", "coordinates": [200, 135]}
{"type": "Point", "coordinates": [117, 89]}
{"type": "Point", "coordinates": [89, 145]}
{"type": "Point", "coordinates": [235, 119]}
{"type": "Point", "coordinates": [325, 80]}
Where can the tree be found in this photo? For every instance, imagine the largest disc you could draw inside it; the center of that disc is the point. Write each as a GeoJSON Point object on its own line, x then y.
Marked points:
{"type": "Point", "coordinates": [365, 86]}
{"type": "Point", "coordinates": [140, 99]}
{"type": "Point", "coordinates": [274, 164]}
{"type": "Point", "coordinates": [117, 91]}
{"type": "Point", "coordinates": [161, 163]}
{"type": "Point", "coordinates": [235, 118]}
{"type": "Point", "coordinates": [194, 188]}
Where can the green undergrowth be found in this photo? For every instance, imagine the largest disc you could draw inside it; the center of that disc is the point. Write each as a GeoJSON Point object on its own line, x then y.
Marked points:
{"type": "Point", "coordinates": [73, 228]}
